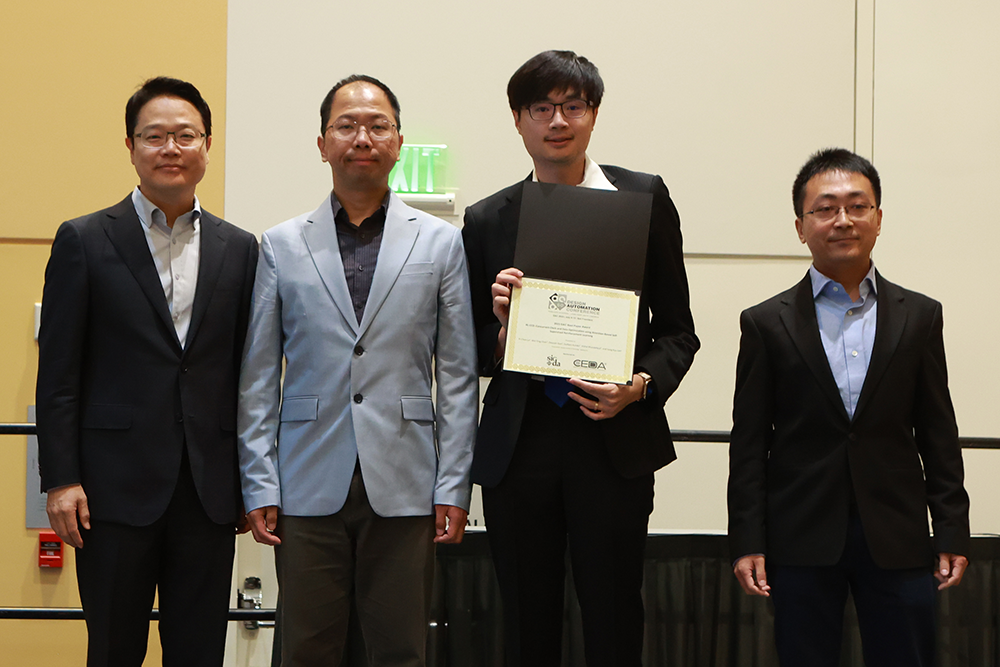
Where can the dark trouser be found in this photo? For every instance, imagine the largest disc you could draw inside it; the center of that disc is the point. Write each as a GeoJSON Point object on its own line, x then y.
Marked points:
{"type": "Point", "coordinates": [895, 609]}
{"type": "Point", "coordinates": [184, 555]}
{"type": "Point", "coordinates": [385, 563]}
{"type": "Point", "coordinates": [562, 486]}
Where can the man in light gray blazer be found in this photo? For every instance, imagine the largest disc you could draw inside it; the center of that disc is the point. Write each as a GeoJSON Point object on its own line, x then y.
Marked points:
{"type": "Point", "coordinates": [346, 468]}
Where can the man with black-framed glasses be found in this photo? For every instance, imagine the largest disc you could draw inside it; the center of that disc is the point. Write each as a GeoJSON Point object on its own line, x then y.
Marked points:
{"type": "Point", "coordinates": [843, 437]}
{"type": "Point", "coordinates": [571, 463]}
{"type": "Point", "coordinates": [144, 317]}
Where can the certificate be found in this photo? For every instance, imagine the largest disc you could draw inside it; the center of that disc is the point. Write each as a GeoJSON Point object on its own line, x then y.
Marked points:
{"type": "Point", "coordinates": [572, 330]}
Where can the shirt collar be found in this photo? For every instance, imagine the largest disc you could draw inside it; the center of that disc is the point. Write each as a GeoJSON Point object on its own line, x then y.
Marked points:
{"type": "Point", "coordinates": [820, 281]}
{"type": "Point", "coordinates": [150, 214]}
{"type": "Point", "coordinates": [593, 177]}
{"type": "Point", "coordinates": [336, 203]}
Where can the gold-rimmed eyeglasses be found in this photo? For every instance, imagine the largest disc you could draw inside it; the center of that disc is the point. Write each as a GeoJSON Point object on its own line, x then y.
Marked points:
{"type": "Point", "coordinates": [348, 128]}
{"type": "Point", "coordinates": [157, 138]}
{"type": "Point", "coordinates": [855, 212]}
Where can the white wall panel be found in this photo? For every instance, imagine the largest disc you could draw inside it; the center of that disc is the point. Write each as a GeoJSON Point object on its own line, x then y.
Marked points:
{"type": "Point", "coordinates": [724, 99]}
{"type": "Point", "coordinates": [937, 148]}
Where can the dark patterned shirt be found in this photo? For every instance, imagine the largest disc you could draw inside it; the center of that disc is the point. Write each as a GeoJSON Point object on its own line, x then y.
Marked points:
{"type": "Point", "coordinates": [359, 246]}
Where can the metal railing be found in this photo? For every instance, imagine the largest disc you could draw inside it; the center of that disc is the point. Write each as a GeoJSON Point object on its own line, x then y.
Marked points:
{"type": "Point", "coordinates": [76, 614]}
{"type": "Point", "coordinates": [268, 614]}
{"type": "Point", "coordinates": [70, 614]}
{"type": "Point", "coordinates": [678, 436]}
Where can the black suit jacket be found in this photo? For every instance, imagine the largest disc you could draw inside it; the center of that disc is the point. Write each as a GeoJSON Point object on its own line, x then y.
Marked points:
{"type": "Point", "coordinates": [638, 438]}
{"type": "Point", "coordinates": [117, 396]}
{"type": "Point", "coordinates": [795, 455]}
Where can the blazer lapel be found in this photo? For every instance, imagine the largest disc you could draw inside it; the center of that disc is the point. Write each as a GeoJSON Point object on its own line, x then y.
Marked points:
{"type": "Point", "coordinates": [890, 320]}
{"type": "Point", "coordinates": [398, 237]}
{"type": "Point", "coordinates": [212, 252]}
{"type": "Point", "coordinates": [123, 229]}
{"type": "Point", "coordinates": [510, 215]}
{"type": "Point", "coordinates": [799, 319]}
{"type": "Point", "coordinates": [320, 237]}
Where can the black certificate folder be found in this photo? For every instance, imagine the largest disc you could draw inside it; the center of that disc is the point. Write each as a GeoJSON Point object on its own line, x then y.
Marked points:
{"type": "Point", "coordinates": [583, 235]}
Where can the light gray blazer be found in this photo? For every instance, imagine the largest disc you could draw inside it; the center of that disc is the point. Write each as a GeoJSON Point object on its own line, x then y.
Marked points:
{"type": "Point", "coordinates": [355, 389]}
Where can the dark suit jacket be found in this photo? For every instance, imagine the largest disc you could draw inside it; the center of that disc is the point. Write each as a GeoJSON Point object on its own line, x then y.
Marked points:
{"type": "Point", "coordinates": [795, 456]}
{"type": "Point", "coordinates": [638, 438]}
{"type": "Point", "coordinates": [117, 397]}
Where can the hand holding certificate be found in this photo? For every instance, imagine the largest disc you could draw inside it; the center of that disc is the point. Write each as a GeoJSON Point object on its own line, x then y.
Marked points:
{"type": "Point", "coordinates": [583, 254]}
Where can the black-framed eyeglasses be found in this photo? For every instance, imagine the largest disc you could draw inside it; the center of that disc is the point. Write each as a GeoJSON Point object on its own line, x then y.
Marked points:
{"type": "Point", "coordinates": [855, 212]}
{"type": "Point", "coordinates": [157, 138]}
{"type": "Point", "coordinates": [574, 108]}
{"type": "Point", "coordinates": [348, 128]}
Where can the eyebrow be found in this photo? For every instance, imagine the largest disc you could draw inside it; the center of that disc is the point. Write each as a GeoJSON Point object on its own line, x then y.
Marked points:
{"type": "Point", "coordinates": [162, 125]}
{"type": "Point", "coordinates": [853, 193]}
{"type": "Point", "coordinates": [571, 98]}
{"type": "Point", "coordinates": [351, 116]}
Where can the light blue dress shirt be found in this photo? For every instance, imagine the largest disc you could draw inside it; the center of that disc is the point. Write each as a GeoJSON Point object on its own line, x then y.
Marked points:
{"type": "Point", "coordinates": [847, 329]}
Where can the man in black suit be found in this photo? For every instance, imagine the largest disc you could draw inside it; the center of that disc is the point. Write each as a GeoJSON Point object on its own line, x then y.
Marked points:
{"type": "Point", "coordinates": [144, 316]}
{"type": "Point", "coordinates": [843, 436]}
{"type": "Point", "coordinates": [580, 470]}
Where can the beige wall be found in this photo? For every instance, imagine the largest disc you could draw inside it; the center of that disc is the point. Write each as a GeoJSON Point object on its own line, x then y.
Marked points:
{"type": "Point", "coordinates": [66, 71]}
{"type": "Point", "coordinates": [726, 101]}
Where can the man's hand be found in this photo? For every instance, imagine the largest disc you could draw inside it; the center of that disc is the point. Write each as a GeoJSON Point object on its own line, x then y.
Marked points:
{"type": "Point", "coordinates": [449, 524]}
{"type": "Point", "coordinates": [263, 522]}
{"type": "Point", "coordinates": [506, 280]}
{"type": "Point", "coordinates": [950, 569]}
{"type": "Point", "coordinates": [65, 506]}
{"type": "Point", "coordinates": [611, 398]}
{"type": "Point", "coordinates": [750, 572]}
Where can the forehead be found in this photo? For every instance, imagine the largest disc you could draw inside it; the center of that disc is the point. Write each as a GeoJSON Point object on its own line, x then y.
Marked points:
{"type": "Point", "coordinates": [360, 98]}
{"type": "Point", "coordinates": [167, 109]}
{"type": "Point", "coordinates": [835, 184]}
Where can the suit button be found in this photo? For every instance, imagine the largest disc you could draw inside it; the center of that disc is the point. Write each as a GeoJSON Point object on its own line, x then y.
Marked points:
{"type": "Point", "coordinates": [184, 370]}
{"type": "Point", "coordinates": [358, 398]}
{"type": "Point", "coordinates": [853, 437]}
{"type": "Point", "coordinates": [358, 350]}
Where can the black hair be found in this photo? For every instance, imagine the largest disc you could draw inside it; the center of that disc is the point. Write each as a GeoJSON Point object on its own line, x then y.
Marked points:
{"type": "Point", "coordinates": [324, 108]}
{"type": "Point", "coordinates": [161, 86]}
{"type": "Point", "coordinates": [833, 159]}
{"type": "Point", "coordinates": [554, 70]}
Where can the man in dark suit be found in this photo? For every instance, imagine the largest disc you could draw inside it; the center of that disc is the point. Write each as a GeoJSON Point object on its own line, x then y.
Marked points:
{"type": "Point", "coordinates": [843, 436]}
{"type": "Point", "coordinates": [555, 470]}
{"type": "Point", "coordinates": [144, 316]}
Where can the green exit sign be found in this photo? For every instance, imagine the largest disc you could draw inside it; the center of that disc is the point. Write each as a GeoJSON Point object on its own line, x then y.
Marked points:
{"type": "Point", "coordinates": [420, 169]}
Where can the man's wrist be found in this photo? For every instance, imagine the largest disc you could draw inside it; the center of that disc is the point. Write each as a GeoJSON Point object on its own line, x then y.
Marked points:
{"type": "Point", "coordinates": [647, 385]}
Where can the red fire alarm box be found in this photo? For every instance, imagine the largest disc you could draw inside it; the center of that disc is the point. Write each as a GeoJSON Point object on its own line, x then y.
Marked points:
{"type": "Point", "coordinates": [50, 549]}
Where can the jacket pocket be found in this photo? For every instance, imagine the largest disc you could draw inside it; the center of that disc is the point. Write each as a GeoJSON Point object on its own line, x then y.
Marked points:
{"type": "Point", "coordinates": [417, 408]}
{"type": "Point", "coordinates": [416, 268]}
{"type": "Point", "coordinates": [300, 409]}
{"type": "Point", "coordinates": [113, 417]}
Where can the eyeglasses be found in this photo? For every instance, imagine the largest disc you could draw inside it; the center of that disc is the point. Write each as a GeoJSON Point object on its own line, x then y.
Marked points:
{"type": "Point", "coordinates": [854, 212]}
{"type": "Point", "coordinates": [347, 128]}
{"type": "Point", "coordinates": [569, 108]}
{"type": "Point", "coordinates": [156, 138]}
